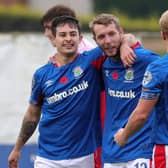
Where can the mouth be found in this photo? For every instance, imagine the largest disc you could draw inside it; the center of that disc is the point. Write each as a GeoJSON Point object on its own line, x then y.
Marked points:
{"type": "Point", "coordinates": [110, 49]}
{"type": "Point", "coordinates": [68, 46]}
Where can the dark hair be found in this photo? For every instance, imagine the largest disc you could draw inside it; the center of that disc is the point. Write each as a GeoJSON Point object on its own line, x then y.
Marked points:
{"type": "Point", "coordinates": [56, 11]}
{"type": "Point", "coordinates": [63, 20]}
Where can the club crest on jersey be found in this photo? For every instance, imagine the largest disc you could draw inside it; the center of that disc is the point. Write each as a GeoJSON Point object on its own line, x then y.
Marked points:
{"type": "Point", "coordinates": [129, 75]}
{"type": "Point", "coordinates": [77, 71]}
{"type": "Point", "coordinates": [147, 78]}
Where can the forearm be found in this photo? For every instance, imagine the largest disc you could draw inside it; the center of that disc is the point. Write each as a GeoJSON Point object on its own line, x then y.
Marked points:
{"type": "Point", "coordinates": [28, 127]}
{"type": "Point", "coordinates": [27, 130]}
{"type": "Point", "coordinates": [126, 52]}
{"type": "Point", "coordinates": [136, 121]}
{"type": "Point", "coordinates": [134, 124]}
{"type": "Point", "coordinates": [139, 116]}
{"type": "Point", "coordinates": [129, 39]}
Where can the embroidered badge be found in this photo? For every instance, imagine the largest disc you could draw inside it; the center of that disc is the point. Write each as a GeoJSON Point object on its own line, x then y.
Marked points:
{"type": "Point", "coordinates": [129, 75]}
{"type": "Point", "coordinates": [77, 71]}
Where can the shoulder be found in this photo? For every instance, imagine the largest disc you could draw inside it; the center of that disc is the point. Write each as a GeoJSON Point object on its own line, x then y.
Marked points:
{"type": "Point", "coordinates": [145, 54]}
{"type": "Point", "coordinates": [155, 68]}
{"type": "Point", "coordinates": [43, 69]}
{"type": "Point", "coordinates": [159, 64]}
{"type": "Point", "coordinates": [95, 52]}
{"type": "Point", "coordinates": [154, 73]}
{"type": "Point", "coordinates": [140, 50]}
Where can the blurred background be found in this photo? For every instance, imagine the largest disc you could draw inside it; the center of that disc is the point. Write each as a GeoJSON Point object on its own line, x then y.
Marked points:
{"type": "Point", "coordinates": [23, 48]}
{"type": "Point", "coordinates": [139, 17]}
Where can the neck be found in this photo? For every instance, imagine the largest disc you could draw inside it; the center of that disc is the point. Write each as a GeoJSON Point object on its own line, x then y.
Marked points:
{"type": "Point", "coordinates": [62, 60]}
{"type": "Point", "coordinates": [116, 57]}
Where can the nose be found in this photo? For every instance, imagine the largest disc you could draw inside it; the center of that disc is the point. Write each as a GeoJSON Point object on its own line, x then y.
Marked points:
{"type": "Point", "coordinates": [107, 39]}
{"type": "Point", "coordinates": [68, 37]}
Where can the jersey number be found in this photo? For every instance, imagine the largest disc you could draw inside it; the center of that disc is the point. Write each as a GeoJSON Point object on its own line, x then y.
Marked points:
{"type": "Point", "coordinates": [141, 165]}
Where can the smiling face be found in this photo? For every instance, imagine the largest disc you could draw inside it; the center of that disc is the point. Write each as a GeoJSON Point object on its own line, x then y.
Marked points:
{"type": "Point", "coordinates": [67, 39]}
{"type": "Point", "coordinates": [108, 37]}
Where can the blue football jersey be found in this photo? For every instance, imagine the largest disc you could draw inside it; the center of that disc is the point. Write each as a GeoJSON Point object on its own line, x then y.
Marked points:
{"type": "Point", "coordinates": [123, 89]}
{"type": "Point", "coordinates": [70, 98]}
{"type": "Point", "coordinates": [155, 83]}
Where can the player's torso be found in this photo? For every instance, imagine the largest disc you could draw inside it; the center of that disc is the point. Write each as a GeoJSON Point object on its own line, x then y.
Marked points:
{"type": "Point", "coordinates": [123, 89]}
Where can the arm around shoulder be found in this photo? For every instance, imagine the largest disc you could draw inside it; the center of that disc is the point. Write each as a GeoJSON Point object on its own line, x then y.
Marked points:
{"type": "Point", "coordinates": [127, 54]}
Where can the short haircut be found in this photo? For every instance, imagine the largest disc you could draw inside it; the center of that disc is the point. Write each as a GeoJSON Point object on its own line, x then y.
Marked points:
{"type": "Point", "coordinates": [56, 11]}
{"type": "Point", "coordinates": [104, 19]}
{"type": "Point", "coordinates": [163, 21]}
{"type": "Point", "coordinates": [65, 20]}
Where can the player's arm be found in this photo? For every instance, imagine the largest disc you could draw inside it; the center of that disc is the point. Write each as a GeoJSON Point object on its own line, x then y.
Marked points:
{"type": "Point", "coordinates": [126, 52]}
{"type": "Point", "coordinates": [136, 121]}
{"type": "Point", "coordinates": [29, 124]}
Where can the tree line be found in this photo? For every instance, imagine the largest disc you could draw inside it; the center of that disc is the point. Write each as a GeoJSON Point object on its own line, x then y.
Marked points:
{"type": "Point", "coordinates": [132, 8]}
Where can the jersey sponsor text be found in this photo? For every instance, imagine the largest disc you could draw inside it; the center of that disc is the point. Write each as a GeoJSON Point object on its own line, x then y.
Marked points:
{"type": "Point", "coordinates": [60, 96]}
{"type": "Point", "coordinates": [121, 94]}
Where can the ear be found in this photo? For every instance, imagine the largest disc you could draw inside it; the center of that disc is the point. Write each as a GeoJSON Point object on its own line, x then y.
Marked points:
{"type": "Point", "coordinates": [80, 37]}
{"type": "Point", "coordinates": [94, 38]}
{"type": "Point", "coordinates": [163, 34]}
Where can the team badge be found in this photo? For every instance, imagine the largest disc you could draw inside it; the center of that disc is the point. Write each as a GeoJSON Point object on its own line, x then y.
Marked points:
{"type": "Point", "coordinates": [129, 75]}
{"type": "Point", "coordinates": [147, 78]}
{"type": "Point", "coordinates": [77, 71]}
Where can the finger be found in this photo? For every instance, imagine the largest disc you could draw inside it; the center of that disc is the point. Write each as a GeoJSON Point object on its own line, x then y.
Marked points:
{"type": "Point", "coordinates": [129, 61]}
{"type": "Point", "coordinates": [132, 57]}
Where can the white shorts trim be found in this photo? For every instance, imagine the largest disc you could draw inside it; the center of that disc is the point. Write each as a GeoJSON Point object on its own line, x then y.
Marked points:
{"type": "Point", "coordinates": [81, 162]}
{"type": "Point", "coordinates": [130, 164]}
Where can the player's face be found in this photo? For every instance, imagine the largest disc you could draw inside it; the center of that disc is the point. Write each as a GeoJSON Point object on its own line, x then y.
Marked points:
{"type": "Point", "coordinates": [48, 32]}
{"type": "Point", "coordinates": [67, 39]}
{"type": "Point", "coordinates": [108, 37]}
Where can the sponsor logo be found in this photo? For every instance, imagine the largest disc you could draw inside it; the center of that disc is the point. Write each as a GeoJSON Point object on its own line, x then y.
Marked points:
{"type": "Point", "coordinates": [147, 78]}
{"type": "Point", "coordinates": [121, 94]}
{"type": "Point", "coordinates": [48, 83]}
{"type": "Point", "coordinates": [107, 73]}
{"type": "Point", "coordinates": [60, 96]}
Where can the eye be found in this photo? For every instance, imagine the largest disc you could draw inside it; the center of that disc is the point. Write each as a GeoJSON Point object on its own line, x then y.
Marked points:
{"type": "Point", "coordinates": [62, 34]}
{"type": "Point", "coordinates": [100, 37]}
{"type": "Point", "coordinates": [73, 34]}
{"type": "Point", "coordinates": [112, 33]}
